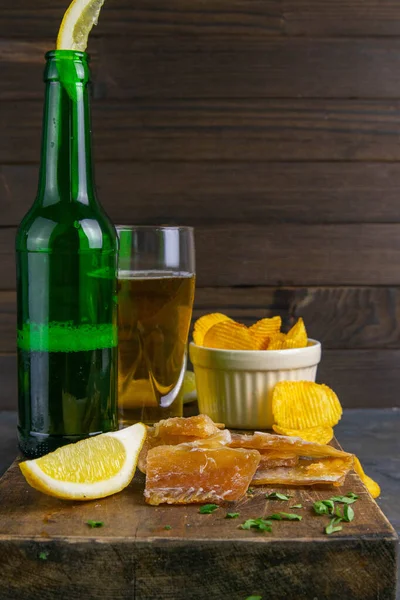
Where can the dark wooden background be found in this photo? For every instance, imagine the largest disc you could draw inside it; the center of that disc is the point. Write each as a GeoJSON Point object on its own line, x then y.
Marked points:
{"type": "Point", "coordinates": [272, 126]}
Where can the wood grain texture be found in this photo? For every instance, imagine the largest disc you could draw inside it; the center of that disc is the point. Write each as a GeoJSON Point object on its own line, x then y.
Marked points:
{"type": "Point", "coordinates": [218, 67]}
{"type": "Point", "coordinates": [272, 126]}
{"type": "Point", "coordinates": [361, 378]}
{"type": "Point", "coordinates": [133, 555]}
{"type": "Point", "coordinates": [256, 18]}
{"type": "Point", "coordinates": [220, 130]}
{"type": "Point", "coordinates": [8, 378]}
{"type": "Point", "coordinates": [339, 317]}
{"type": "Point", "coordinates": [352, 318]}
{"type": "Point", "coordinates": [197, 193]}
{"type": "Point", "coordinates": [365, 254]}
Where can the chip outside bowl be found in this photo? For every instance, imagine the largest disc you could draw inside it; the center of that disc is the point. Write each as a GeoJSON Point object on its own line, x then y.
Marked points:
{"type": "Point", "coordinates": [235, 386]}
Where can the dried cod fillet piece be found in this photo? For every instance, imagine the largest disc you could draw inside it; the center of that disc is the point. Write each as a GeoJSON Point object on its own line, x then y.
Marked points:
{"type": "Point", "coordinates": [179, 430]}
{"type": "Point", "coordinates": [271, 459]}
{"type": "Point", "coordinates": [186, 474]}
{"type": "Point", "coordinates": [284, 444]}
{"type": "Point", "coordinates": [199, 426]}
{"type": "Point", "coordinates": [330, 471]}
{"type": "Point", "coordinates": [318, 463]}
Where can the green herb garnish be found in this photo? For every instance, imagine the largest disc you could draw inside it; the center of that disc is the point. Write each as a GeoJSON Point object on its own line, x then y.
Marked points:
{"type": "Point", "coordinates": [282, 516]}
{"type": "Point", "coordinates": [347, 515]}
{"type": "Point", "coordinates": [327, 507]}
{"type": "Point", "coordinates": [167, 527]}
{"type": "Point", "coordinates": [277, 496]}
{"type": "Point", "coordinates": [94, 524]}
{"type": "Point", "coordinates": [260, 524]}
{"type": "Point", "coordinates": [254, 598]}
{"type": "Point", "coordinates": [250, 491]}
{"type": "Point", "coordinates": [296, 506]}
{"type": "Point", "coordinates": [232, 515]}
{"type": "Point", "coordinates": [348, 499]}
{"type": "Point", "coordinates": [324, 507]}
{"type": "Point", "coordinates": [333, 526]}
{"type": "Point", "coordinates": [207, 509]}
{"type": "Point", "coordinates": [43, 555]}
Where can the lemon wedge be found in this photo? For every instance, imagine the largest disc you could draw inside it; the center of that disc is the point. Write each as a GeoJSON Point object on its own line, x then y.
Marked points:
{"type": "Point", "coordinates": [93, 468]}
{"type": "Point", "coordinates": [77, 23]}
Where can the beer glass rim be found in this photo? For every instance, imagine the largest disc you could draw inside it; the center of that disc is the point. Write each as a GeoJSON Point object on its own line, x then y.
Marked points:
{"type": "Point", "coordinates": [153, 228]}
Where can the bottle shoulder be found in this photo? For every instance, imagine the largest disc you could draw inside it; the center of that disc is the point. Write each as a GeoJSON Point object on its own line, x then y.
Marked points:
{"type": "Point", "coordinates": [75, 227]}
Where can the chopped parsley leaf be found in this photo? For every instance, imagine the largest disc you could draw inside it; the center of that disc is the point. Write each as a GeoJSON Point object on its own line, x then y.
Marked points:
{"type": "Point", "coordinates": [260, 524]}
{"type": "Point", "coordinates": [207, 509]}
{"type": "Point", "coordinates": [324, 507]}
{"type": "Point", "coordinates": [277, 496]}
{"type": "Point", "coordinates": [333, 526]}
{"type": "Point", "coordinates": [282, 516]}
{"type": "Point", "coordinates": [94, 524]}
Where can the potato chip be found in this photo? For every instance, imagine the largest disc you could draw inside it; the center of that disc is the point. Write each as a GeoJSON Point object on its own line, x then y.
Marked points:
{"type": "Point", "coordinates": [298, 334]}
{"type": "Point", "coordinates": [369, 483]}
{"type": "Point", "coordinates": [280, 341]}
{"type": "Point", "coordinates": [205, 323]}
{"type": "Point", "coordinates": [262, 331]}
{"type": "Point", "coordinates": [321, 435]}
{"type": "Point", "coordinates": [229, 335]}
{"type": "Point", "coordinates": [261, 343]}
{"type": "Point", "coordinates": [304, 404]}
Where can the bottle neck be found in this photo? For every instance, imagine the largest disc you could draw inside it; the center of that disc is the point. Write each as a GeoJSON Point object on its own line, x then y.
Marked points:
{"type": "Point", "coordinates": [66, 171]}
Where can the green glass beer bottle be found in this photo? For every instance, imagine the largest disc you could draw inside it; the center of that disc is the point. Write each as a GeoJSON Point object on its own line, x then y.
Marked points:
{"type": "Point", "coordinates": [66, 279]}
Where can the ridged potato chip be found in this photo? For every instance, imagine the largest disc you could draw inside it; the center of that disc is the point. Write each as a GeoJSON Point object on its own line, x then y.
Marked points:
{"type": "Point", "coordinates": [229, 335]}
{"type": "Point", "coordinates": [369, 483]}
{"type": "Point", "coordinates": [204, 323]}
{"type": "Point", "coordinates": [320, 435]}
{"type": "Point", "coordinates": [298, 334]}
{"type": "Point", "coordinates": [262, 331]}
{"type": "Point", "coordinates": [305, 404]}
{"type": "Point", "coordinates": [280, 341]}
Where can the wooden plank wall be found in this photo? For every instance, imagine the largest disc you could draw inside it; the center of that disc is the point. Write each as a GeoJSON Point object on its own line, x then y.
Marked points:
{"type": "Point", "coordinates": [272, 126]}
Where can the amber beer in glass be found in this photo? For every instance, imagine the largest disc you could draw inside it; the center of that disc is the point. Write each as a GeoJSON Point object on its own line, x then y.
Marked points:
{"type": "Point", "coordinates": [156, 281]}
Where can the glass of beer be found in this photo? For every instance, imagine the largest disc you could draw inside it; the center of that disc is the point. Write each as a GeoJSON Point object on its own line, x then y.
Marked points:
{"type": "Point", "coordinates": [156, 281]}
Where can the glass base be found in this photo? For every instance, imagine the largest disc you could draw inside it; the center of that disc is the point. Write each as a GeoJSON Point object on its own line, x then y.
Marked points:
{"type": "Point", "coordinates": [149, 414]}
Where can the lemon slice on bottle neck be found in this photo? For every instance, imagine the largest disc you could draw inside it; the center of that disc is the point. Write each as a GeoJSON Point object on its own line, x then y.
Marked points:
{"type": "Point", "coordinates": [77, 23]}
{"type": "Point", "coordinates": [93, 468]}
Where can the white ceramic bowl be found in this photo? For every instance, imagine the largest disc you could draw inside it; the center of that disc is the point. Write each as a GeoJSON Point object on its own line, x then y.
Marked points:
{"type": "Point", "coordinates": [235, 386]}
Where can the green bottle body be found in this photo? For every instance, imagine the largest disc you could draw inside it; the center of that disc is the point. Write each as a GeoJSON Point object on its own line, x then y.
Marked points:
{"type": "Point", "coordinates": [66, 279]}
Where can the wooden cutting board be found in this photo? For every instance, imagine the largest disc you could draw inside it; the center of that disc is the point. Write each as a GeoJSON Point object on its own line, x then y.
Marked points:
{"type": "Point", "coordinates": [47, 550]}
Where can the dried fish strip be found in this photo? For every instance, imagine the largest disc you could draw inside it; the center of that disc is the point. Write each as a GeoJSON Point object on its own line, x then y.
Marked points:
{"type": "Point", "coordinates": [329, 470]}
{"type": "Point", "coordinates": [271, 459]}
{"type": "Point", "coordinates": [284, 444]}
{"type": "Point", "coordinates": [187, 473]}
{"type": "Point", "coordinates": [200, 426]}
{"type": "Point", "coordinates": [180, 430]}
